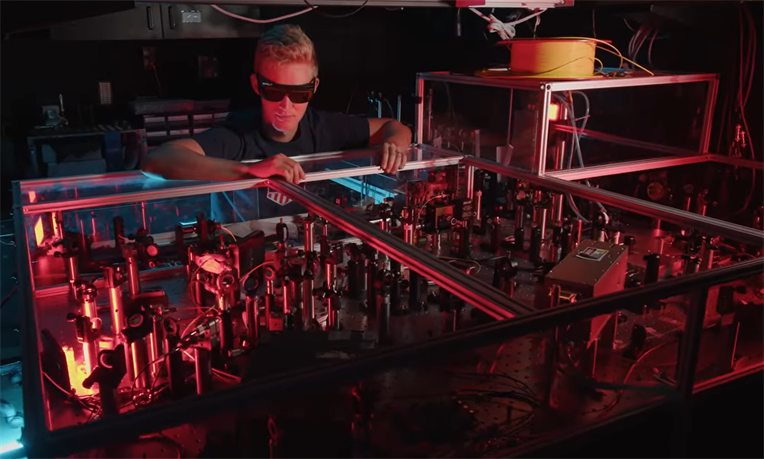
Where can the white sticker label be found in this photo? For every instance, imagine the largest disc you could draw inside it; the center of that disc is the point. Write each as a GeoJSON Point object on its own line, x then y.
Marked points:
{"type": "Point", "coordinates": [278, 197]}
{"type": "Point", "coordinates": [590, 253]}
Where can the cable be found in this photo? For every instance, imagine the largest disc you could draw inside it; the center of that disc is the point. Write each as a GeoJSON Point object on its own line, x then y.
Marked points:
{"type": "Point", "coordinates": [137, 376]}
{"type": "Point", "coordinates": [263, 21]}
{"type": "Point", "coordinates": [191, 324]}
{"type": "Point", "coordinates": [750, 68]}
{"type": "Point", "coordinates": [10, 294]}
{"type": "Point", "coordinates": [156, 77]}
{"type": "Point", "coordinates": [505, 30]}
{"type": "Point", "coordinates": [229, 232]}
{"type": "Point", "coordinates": [84, 402]}
{"type": "Point", "coordinates": [650, 50]}
{"type": "Point", "coordinates": [577, 147]}
{"type": "Point", "coordinates": [244, 278]}
{"type": "Point", "coordinates": [629, 373]}
{"type": "Point", "coordinates": [336, 16]}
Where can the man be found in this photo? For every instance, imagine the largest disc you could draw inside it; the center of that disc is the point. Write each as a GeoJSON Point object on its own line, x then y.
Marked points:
{"type": "Point", "coordinates": [285, 78]}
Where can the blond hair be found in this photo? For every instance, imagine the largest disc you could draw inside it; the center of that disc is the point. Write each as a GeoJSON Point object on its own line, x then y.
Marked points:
{"type": "Point", "coordinates": [286, 43]}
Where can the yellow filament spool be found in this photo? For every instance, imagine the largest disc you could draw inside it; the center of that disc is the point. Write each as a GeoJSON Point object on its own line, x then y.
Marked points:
{"type": "Point", "coordinates": [552, 58]}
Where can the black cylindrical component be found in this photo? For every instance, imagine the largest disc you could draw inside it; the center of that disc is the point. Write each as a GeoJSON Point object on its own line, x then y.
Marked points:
{"type": "Point", "coordinates": [692, 265]}
{"type": "Point", "coordinates": [119, 232]}
{"type": "Point", "coordinates": [629, 241]}
{"type": "Point", "coordinates": [383, 319]}
{"type": "Point", "coordinates": [371, 284]}
{"type": "Point", "coordinates": [519, 239]}
{"type": "Point", "coordinates": [497, 273]}
{"type": "Point", "coordinates": [174, 366]}
{"type": "Point", "coordinates": [203, 370]}
{"type": "Point", "coordinates": [566, 241]}
{"type": "Point", "coordinates": [395, 292]}
{"type": "Point", "coordinates": [354, 282]}
{"type": "Point", "coordinates": [496, 234]}
{"type": "Point", "coordinates": [180, 245]}
{"type": "Point", "coordinates": [652, 268]}
{"type": "Point", "coordinates": [202, 229]}
{"type": "Point", "coordinates": [333, 313]}
{"type": "Point", "coordinates": [415, 290]}
{"type": "Point", "coordinates": [253, 319]}
{"type": "Point", "coordinates": [282, 232]}
{"type": "Point", "coordinates": [535, 248]}
{"type": "Point", "coordinates": [461, 242]}
{"type": "Point", "coordinates": [226, 331]}
{"type": "Point", "coordinates": [108, 397]}
{"type": "Point", "coordinates": [269, 308]}
{"type": "Point", "coordinates": [308, 301]}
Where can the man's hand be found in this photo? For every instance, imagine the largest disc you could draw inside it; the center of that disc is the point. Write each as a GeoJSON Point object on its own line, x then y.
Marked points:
{"type": "Point", "coordinates": [280, 166]}
{"type": "Point", "coordinates": [392, 157]}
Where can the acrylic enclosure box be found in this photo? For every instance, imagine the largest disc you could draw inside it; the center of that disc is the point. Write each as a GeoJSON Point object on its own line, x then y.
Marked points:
{"type": "Point", "coordinates": [78, 215]}
{"type": "Point", "coordinates": [525, 123]}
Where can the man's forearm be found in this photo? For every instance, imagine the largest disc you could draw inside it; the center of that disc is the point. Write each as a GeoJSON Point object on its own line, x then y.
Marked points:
{"type": "Point", "coordinates": [173, 162]}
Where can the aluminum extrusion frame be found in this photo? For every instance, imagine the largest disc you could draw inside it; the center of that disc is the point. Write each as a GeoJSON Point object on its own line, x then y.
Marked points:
{"type": "Point", "coordinates": [736, 232]}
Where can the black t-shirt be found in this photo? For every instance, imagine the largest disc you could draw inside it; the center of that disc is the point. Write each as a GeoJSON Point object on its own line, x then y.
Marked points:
{"type": "Point", "coordinates": [240, 138]}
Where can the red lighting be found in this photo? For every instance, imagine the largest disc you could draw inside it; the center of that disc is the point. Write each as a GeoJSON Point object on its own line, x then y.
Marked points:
{"type": "Point", "coordinates": [39, 233]}
{"type": "Point", "coordinates": [32, 196]}
{"type": "Point", "coordinates": [554, 112]}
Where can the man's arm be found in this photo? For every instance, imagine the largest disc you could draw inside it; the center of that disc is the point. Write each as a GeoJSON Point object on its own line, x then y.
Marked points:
{"type": "Point", "coordinates": [394, 139]}
{"type": "Point", "coordinates": [185, 159]}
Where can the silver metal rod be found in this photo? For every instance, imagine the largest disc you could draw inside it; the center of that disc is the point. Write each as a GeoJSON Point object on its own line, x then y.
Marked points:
{"type": "Point", "coordinates": [711, 225]}
{"type": "Point", "coordinates": [490, 300]}
{"type": "Point", "coordinates": [708, 115]}
{"type": "Point", "coordinates": [419, 111]}
{"type": "Point", "coordinates": [740, 162]}
{"type": "Point", "coordinates": [542, 130]}
{"type": "Point", "coordinates": [611, 138]}
{"type": "Point", "coordinates": [557, 86]}
{"type": "Point", "coordinates": [690, 344]}
{"type": "Point", "coordinates": [133, 275]}
{"type": "Point", "coordinates": [441, 158]}
{"type": "Point", "coordinates": [625, 167]}
{"type": "Point", "coordinates": [470, 172]}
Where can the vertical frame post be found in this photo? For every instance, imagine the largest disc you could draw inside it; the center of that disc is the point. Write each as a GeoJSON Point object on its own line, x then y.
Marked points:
{"type": "Point", "coordinates": [708, 116]}
{"type": "Point", "coordinates": [35, 417]}
{"type": "Point", "coordinates": [542, 129]}
{"type": "Point", "coordinates": [419, 110]}
{"type": "Point", "coordinates": [687, 361]}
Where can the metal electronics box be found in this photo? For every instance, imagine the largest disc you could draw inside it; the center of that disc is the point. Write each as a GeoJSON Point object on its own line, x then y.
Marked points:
{"type": "Point", "coordinates": [592, 270]}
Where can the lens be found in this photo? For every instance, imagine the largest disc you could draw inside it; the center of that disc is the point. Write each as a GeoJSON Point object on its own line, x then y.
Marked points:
{"type": "Point", "coordinates": [272, 94]}
{"type": "Point", "coordinates": [300, 97]}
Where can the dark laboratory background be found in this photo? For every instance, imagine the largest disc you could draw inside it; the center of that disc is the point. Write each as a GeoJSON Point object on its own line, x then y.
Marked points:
{"type": "Point", "coordinates": [48, 60]}
{"type": "Point", "coordinates": [96, 64]}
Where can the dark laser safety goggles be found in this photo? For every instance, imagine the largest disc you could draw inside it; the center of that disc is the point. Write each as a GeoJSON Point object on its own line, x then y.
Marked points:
{"type": "Point", "coordinates": [274, 92]}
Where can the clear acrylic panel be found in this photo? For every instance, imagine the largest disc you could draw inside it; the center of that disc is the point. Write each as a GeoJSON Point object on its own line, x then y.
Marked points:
{"type": "Point", "coordinates": [489, 400]}
{"type": "Point", "coordinates": [732, 342]}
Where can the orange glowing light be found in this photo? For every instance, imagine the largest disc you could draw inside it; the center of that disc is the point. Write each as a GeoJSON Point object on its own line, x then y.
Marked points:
{"type": "Point", "coordinates": [77, 373]}
{"type": "Point", "coordinates": [39, 233]}
{"type": "Point", "coordinates": [32, 196]}
{"type": "Point", "coordinates": [554, 112]}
